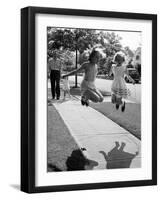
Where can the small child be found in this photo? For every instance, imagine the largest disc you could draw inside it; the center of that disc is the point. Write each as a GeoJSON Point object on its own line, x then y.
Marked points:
{"type": "Point", "coordinates": [119, 89]}
{"type": "Point", "coordinates": [66, 87]}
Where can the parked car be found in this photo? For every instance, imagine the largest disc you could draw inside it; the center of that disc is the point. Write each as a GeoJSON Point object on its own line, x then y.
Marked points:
{"type": "Point", "coordinates": [134, 75]}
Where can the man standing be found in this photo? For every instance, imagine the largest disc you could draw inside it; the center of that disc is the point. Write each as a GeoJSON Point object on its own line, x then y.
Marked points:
{"type": "Point", "coordinates": [54, 66]}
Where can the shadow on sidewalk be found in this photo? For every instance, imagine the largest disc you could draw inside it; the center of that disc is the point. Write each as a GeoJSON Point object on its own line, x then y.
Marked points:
{"type": "Point", "coordinates": [117, 158]}
{"type": "Point", "coordinates": [76, 161]}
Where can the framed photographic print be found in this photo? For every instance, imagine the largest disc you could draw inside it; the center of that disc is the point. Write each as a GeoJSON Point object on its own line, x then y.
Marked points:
{"type": "Point", "coordinates": [88, 99]}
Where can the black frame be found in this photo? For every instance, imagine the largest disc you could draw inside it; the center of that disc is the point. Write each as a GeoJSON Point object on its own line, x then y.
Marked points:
{"type": "Point", "coordinates": [28, 98]}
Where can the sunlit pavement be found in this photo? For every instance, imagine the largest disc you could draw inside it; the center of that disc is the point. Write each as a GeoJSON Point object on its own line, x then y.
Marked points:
{"type": "Point", "coordinates": [103, 140]}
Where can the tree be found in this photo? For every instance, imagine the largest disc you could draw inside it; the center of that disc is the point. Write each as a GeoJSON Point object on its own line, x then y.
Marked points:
{"type": "Point", "coordinates": [76, 40]}
{"type": "Point", "coordinates": [81, 40]}
{"type": "Point", "coordinates": [111, 44]}
{"type": "Point", "coordinates": [128, 52]}
{"type": "Point", "coordinates": [137, 55]}
{"type": "Point", "coordinates": [137, 60]}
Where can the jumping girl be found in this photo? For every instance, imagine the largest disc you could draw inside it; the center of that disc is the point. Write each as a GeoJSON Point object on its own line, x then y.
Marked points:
{"type": "Point", "coordinates": [88, 88]}
{"type": "Point", "coordinates": [119, 89]}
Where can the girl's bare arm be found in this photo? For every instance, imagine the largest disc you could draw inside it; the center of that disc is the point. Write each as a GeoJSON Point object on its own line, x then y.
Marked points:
{"type": "Point", "coordinates": [111, 70]}
{"type": "Point", "coordinates": [129, 77]}
{"type": "Point", "coordinates": [75, 71]}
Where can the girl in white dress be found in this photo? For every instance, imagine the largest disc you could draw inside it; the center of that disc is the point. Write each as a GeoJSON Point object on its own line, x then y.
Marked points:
{"type": "Point", "coordinates": [88, 88]}
{"type": "Point", "coordinates": [119, 89]}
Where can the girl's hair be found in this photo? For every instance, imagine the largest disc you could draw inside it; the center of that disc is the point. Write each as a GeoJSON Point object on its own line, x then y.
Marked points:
{"type": "Point", "coordinates": [117, 56]}
{"type": "Point", "coordinates": [93, 53]}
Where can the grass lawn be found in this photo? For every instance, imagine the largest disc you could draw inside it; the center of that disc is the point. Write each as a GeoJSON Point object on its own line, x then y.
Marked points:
{"type": "Point", "coordinates": [60, 142]}
{"type": "Point", "coordinates": [130, 119]}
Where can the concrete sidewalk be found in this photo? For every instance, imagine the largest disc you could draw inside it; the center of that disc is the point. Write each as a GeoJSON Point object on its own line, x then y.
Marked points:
{"type": "Point", "coordinates": [103, 140]}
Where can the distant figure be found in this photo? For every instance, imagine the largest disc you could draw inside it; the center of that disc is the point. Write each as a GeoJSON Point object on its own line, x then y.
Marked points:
{"type": "Point", "coordinates": [54, 66]}
{"type": "Point", "coordinates": [119, 89]}
{"type": "Point", "coordinates": [88, 88]}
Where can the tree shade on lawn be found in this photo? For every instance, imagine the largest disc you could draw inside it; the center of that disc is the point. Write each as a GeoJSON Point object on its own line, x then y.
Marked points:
{"type": "Point", "coordinates": [60, 142]}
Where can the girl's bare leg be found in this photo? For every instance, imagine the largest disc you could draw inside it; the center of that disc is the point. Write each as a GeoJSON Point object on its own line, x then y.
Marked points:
{"type": "Point", "coordinates": [123, 105]}
{"type": "Point", "coordinates": [99, 94]}
{"type": "Point", "coordinates": [91, 95]}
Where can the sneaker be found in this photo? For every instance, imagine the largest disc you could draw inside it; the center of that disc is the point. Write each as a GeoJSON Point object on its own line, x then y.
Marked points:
{"type": "Point", "coordinates": [123, 107]}
{"type": "Point", "coordinates": [117, 106]}
{"type": "Point", "coordinates": [58, 98]}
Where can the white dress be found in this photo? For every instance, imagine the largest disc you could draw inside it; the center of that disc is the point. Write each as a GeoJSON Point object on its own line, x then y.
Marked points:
{"type": "Point", "coordinates": [66, 86]}
{"type": "Point", "coordinates": [119, 87]}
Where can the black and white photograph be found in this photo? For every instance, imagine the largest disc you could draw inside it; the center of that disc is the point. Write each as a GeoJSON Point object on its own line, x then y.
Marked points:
{"type": "Point", "coordinates": [94, 99]}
